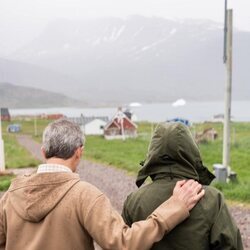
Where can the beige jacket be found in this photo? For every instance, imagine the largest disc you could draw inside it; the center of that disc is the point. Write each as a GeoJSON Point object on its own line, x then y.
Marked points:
{"type": "Point", "coordinates": [58, 211]}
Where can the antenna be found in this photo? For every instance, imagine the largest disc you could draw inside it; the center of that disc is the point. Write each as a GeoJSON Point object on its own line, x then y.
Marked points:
{"type": "Point", "coordinates": [2, 160]}
{"type": "Point", "coordinates": [225, 34]}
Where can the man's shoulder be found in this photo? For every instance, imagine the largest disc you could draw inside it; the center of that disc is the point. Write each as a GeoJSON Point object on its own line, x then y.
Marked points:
{"type": "Point", "coordinates": [4, 198]}
{"type": "Point", "coordinates": [83, 187]}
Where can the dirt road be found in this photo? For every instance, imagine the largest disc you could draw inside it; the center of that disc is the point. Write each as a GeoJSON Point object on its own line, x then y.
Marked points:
{"type": "Point", "coordinates": [116, 184]}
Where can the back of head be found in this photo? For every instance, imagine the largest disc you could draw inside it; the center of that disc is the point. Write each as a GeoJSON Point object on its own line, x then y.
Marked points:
{"type": "Point", "coordinates": [61, 138]}
{"type": "Point", "coordinates": [173, 150]}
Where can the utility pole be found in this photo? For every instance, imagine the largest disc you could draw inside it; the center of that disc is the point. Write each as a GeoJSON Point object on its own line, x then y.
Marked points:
{"type": "Point", "coordinates": [223, 171]}
{"type": "Point", "coordinates": [35, 125]}
{"type": "Point", "coordinates": [2, 159]}
{"type": "Point", "coordinates": [228, 86]}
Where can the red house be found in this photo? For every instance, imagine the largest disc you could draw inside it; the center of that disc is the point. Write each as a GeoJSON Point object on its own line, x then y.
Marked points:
{"type": "Point", "coordinates": [52, 116]}
{"type": "Point", "coordinates": [5, 115]}
{"type": "Point", "coordinates": [120, 127]}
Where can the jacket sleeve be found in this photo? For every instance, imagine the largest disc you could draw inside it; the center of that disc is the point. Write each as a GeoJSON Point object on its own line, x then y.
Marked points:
{"type": "Point", "coordinates": [125, 213]}
{"type": "Point", "coordinates": [2, 231]}
{"type": "Point", "coordinates": [224, 232]}
{"type": "Point", "coordinates": [108, 229]}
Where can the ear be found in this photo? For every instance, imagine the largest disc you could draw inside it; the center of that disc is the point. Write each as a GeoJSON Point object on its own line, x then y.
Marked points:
{"type": "Point", "coordinates": [79, 152]}
{"type": "Point", "coordinates": [43, 152]}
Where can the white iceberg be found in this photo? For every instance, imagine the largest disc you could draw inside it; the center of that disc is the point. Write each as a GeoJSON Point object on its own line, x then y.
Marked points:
{"type": "Point", "coordinates": [134, 104]}
{"type": "Point", "coordinates": [179, 102]}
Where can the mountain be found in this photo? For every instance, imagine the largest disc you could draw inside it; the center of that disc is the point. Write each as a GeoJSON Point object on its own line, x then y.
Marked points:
{"type": "Point", "coordinates": [13, 96]}
{"type": "Point", "coordinates": [26, 74]}
{"type": "Point", "coordinates": [113, 60]}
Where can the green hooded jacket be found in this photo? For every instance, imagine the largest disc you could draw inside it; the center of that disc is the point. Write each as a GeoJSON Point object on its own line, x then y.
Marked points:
{"type": "Point", "coordinates": [173, 155]}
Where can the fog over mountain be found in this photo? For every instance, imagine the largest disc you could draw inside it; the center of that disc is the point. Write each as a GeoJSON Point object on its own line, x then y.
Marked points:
{"type": "Point", "coordinates": [114, 61]}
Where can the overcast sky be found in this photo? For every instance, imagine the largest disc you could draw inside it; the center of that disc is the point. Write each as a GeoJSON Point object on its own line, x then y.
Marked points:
{"type": "Point", "coordinates": [43, 10]}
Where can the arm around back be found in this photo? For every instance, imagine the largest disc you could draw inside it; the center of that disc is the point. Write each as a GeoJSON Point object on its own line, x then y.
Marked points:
{"type": "Point", "coordinates": [108, 229]}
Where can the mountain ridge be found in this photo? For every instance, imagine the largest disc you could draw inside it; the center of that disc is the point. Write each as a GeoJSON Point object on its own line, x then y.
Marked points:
{"type": "Point", "coordinates": [114, 60]}
{"type": "Point", "coordinates": [13, 96]}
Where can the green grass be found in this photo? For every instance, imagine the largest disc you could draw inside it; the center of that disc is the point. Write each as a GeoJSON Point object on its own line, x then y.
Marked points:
{"type": "Point", "coordinates": [29, 126]}
{"type": "Point", "coordinates": [239, 160]}
{"type": "Point", "coordinates": [122, 154]}
{"type": "Point", "coordinates": [240, 147]}
{"type": "Point", "coordinates": [128, 154]}
{"type": "Point", "coordinates": [5, 181]}
{"type": "Point", "coordinates": [235, 191]}
{"type": "Point", "coordinates": [17, 156]}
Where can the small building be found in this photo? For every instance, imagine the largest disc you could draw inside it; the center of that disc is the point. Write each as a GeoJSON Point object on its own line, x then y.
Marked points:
{"type": "Point", "coordinates": [51, 116]}
{"type": "Point", "coordinates": [220, 118]}
{"type": "Point", "coordinates": [5, 115]}
{"type": "Point", "coordinates": [209, 134]}
{"type": "Point", "coordinates": [95, 126]}
{"type": "Point", "coordinates": [14, 128]}
{"type": "Point", "coordinates": [91, 125]}
{"type": "Point", "coordinates": [120, 127]}
{"type": "Point", "coordinates": [181, 120]}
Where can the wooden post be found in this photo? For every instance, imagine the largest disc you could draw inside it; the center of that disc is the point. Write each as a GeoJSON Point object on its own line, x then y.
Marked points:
{"type": "Point", "coordinates": [228, 91]}
{"type": "Point", "coordinates": [35, 125]}
{"type": "Point", "coordinates": [2, 158]}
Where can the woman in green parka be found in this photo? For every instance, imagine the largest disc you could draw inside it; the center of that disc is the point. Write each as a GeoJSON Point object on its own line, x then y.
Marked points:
{"type": "Point", "coordinates": [173, 155]}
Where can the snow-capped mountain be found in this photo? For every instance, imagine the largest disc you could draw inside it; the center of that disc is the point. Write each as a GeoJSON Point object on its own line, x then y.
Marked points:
{"type": "Point", "coordinates": [146, 59]}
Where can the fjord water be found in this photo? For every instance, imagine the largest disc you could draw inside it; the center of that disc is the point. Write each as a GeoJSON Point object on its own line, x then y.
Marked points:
{"type": "Point", "coordinates": [154, 112]}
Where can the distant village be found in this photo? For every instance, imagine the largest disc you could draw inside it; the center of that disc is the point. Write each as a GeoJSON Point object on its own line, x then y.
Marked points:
{"type": "Point", "coordinates": [121, 126]}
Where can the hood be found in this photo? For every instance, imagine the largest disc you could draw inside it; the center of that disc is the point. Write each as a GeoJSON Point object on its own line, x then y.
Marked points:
{"type": "Point", "coordinates": [173, 152]}
{"type": "Point", "coordinates": [34, 196]}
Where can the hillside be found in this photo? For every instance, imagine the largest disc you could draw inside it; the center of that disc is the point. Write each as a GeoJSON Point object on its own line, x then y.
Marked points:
{"type": "Point", "coordinates": [13, 96]}
{"type": "Point", "coordinates": [113, 60]}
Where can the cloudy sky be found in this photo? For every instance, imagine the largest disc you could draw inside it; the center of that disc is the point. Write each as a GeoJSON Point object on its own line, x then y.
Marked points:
{"type": "Point", "coordinates": [41, 11]}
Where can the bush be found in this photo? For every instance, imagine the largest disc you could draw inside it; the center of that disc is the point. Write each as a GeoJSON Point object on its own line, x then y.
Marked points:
{"type": "Point", "coordinates": [5, 182]}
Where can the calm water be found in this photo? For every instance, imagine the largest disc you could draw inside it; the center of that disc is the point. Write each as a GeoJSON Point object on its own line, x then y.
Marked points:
{"type": "Point", "coordinates": [157, 112]}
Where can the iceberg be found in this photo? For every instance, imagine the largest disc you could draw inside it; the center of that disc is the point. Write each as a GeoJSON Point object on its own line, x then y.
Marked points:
{"type": "Point", "coordinates": [179, 102]}
{"type": "Point", "coordinates": [134, 104]}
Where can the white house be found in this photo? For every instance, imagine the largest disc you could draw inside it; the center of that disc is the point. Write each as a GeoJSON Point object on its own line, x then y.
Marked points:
{"type": "Point", "coordinates": [91, 125]}
{"type": "Point", "coordinates": [94, 127]}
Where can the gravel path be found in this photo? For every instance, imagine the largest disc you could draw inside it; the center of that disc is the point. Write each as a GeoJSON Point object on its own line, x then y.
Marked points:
{"type": "Point", "coordinates": [116, 184]}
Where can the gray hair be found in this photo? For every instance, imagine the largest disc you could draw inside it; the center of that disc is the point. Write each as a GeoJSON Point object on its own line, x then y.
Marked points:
{"type": "Point", "coordinates": [61, 138]}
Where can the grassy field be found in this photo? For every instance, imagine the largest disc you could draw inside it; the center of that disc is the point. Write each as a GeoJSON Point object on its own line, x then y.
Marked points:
{"type": "Point", "coordinates": [5, 182]}
{"type": "Point", "coordinates": [239, 161]}
{"type": "Point", "coordinates": [32, 127]}
{"type": "Point", "coordinates": [128, 154]}
{"type": "Point", "coordinates": [17, 156]}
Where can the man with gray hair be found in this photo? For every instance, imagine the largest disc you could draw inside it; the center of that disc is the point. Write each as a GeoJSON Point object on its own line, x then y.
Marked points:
{"type": "Point", "coordinates": [54, 209]}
